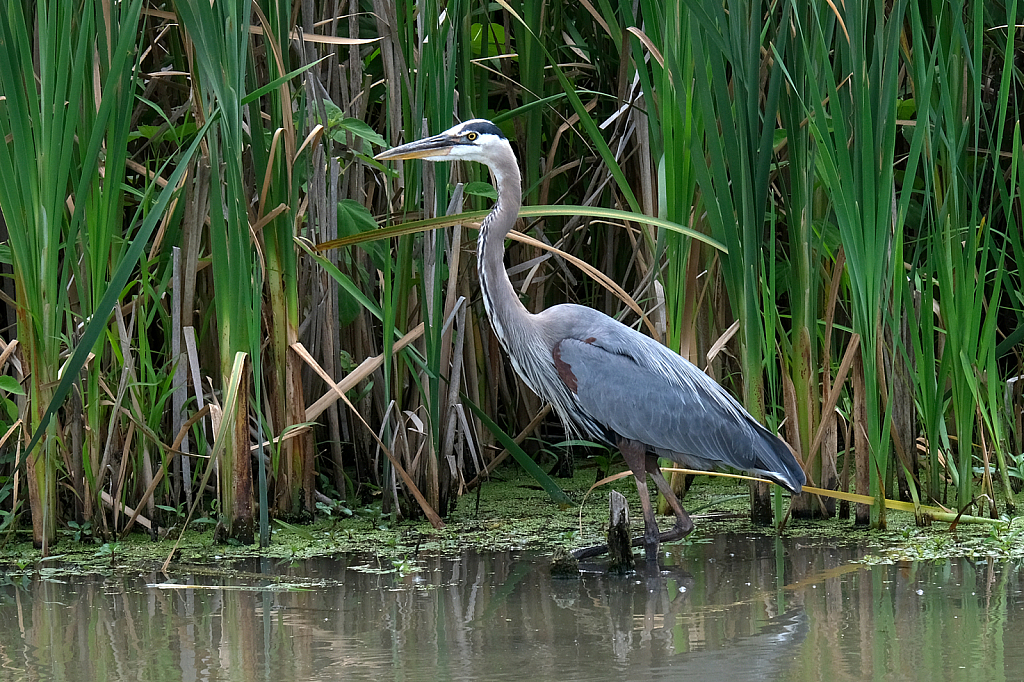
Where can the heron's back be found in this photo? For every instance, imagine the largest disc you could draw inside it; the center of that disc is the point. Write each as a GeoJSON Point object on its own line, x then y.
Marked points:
{"type": "Point", "coordinates": [616, 382]}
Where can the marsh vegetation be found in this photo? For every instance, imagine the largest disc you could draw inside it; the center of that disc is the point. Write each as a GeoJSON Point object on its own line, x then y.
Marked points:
{"type": "Point", "coordinates": [219, 308]}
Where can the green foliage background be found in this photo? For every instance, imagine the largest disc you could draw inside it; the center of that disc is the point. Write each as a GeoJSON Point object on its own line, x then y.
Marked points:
{"type": "Point", "coordinates": [860, 163]}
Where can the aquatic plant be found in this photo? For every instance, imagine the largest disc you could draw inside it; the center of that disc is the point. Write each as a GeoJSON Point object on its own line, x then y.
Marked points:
{"type": "Point", "coordinates": [860, 162]}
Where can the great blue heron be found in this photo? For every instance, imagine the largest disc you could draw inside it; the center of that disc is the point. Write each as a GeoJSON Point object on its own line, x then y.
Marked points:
{"type": "Point", "coordinates": [607, 382]}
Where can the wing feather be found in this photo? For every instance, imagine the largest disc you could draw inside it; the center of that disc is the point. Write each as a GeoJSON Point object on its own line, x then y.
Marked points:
{"type": "Point", "coordinates": [645, 392]}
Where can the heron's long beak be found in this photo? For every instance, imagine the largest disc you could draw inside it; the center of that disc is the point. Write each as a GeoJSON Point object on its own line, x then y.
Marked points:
{"type": "Point", "coordinates": [427, 148]}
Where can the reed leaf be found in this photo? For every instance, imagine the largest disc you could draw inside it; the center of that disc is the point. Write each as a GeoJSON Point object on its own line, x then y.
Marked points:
{"type": "Point", "coordinates": [855, 141]}
{"type": "Point", "coordinates": [732, 154]}
{"type": "Point", "coordinates": [219, 35]}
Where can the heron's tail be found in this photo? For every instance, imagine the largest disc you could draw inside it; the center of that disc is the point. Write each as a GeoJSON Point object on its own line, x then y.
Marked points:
{"type": "Point", "coordinates": [775, 461]}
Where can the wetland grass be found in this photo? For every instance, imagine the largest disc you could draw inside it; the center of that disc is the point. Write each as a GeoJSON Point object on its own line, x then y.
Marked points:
{"type": "Point", "coordinates": [820, 205]}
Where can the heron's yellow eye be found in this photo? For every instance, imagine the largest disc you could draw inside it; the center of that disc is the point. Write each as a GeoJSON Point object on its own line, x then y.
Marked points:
{"type": "Point", "coordinates": [471, 136]}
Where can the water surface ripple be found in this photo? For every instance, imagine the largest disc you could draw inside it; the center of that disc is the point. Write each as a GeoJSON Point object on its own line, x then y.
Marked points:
{"type": "Point", "coordinates": [736, 608]}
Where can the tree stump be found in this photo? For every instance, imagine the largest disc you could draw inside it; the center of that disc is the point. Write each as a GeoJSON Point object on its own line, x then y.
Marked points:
{"type": "Point", "coordinates": [564, 564]}
{"type": "Point", "coordinates": [620, 549]}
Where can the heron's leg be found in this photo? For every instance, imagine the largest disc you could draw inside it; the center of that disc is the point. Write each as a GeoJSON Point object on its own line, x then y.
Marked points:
{"type": "Point", "coordinates": [684, 525]}
{"type": "Point", "coordinates": [635, 455]}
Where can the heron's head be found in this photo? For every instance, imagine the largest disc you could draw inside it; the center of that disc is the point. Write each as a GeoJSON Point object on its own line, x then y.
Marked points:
{"type": "Point", "coordinates": [476, 140]}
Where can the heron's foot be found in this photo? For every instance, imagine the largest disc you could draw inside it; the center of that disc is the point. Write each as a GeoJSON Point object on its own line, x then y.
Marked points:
{"type": "Point", "coordinates": [684, 526]}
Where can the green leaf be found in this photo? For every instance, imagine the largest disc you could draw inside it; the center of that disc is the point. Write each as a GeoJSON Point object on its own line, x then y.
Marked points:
{"type": "Point", "coordinates": [343, 280]}
{"type": "Point", "coordinates": [495, 40]}
{"type": "Point", "coordinates": [10, 407]}
{"type": "Point", "coordinates": [553, 490]}
{"type": "Point", "coordinates": [338, 125]}
{"type": "Point", "coordinates": [11, 385]}
{"type": "Point", "coordinates": [525, 212]}
{"type": "Point", "coordinates": [481, 189]}
{"type": "Point", "coordinates": [353, 219]}
{"type": "Point", "coordinates": [361, 130]}
{"type": "Point", "coordinates": [906, 108]}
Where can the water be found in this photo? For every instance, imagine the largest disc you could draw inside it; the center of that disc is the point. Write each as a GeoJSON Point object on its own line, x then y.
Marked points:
{"type": "Point", "coordinates": [736, 608]}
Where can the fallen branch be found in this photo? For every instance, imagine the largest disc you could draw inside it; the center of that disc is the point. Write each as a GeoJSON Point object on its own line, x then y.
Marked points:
{"type": "Point", "coordinates": [338, 393]}
{"type": "Point", "coordinates": [365, 369]}
{"type": "Point", "coordinates": [126, 510]}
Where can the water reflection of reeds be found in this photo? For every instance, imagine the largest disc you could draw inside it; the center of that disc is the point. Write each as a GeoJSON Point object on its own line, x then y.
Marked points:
{"type": "Point", "coordinates": [737, 607]}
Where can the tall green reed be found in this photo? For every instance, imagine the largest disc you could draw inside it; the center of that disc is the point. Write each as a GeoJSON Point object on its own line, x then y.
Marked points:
{"type": "Point", "coordinates": [106, 118]}
{"type": "Point", "coordinates": [958, 278]}
{"type": "Point", "coordinates": [405, 117]}
{"type": "Point", "coordinates": [737, 92]}
{"type": "Point", "coordinates": [273, 144]}
{"type": "Point", "coordinates": [852, 115]}
{"type": "Point", "coordinates": [219, 34]}
{"type": "Point", "coordinates": [40, 112]}
{"type": "Point", "coordinates": [803, 346]}
{"type": "Point", "coordinates": [666, 81]}
{"type": "Point", "coordinates": [46, 122]}
{"type": "Point", "coordinates": [443, 40]}
{"type": "Point", "coordinates": [44, 188]}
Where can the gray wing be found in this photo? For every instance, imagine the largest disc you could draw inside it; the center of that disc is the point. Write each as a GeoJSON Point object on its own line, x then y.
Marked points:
{"type": "Point", "coordinates": [641, 390]}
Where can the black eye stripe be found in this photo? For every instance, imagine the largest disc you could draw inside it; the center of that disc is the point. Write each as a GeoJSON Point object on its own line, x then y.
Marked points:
{"type": "Point", "coordinates": [480, 127]}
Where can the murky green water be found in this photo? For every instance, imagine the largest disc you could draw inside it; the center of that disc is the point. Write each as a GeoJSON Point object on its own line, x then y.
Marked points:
{"type": "Point", "coordinates": [737, 608]}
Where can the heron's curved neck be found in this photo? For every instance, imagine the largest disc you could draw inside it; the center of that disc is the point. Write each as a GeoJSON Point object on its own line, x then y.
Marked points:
{"type": "Point", "coordinates": [506, 311]}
